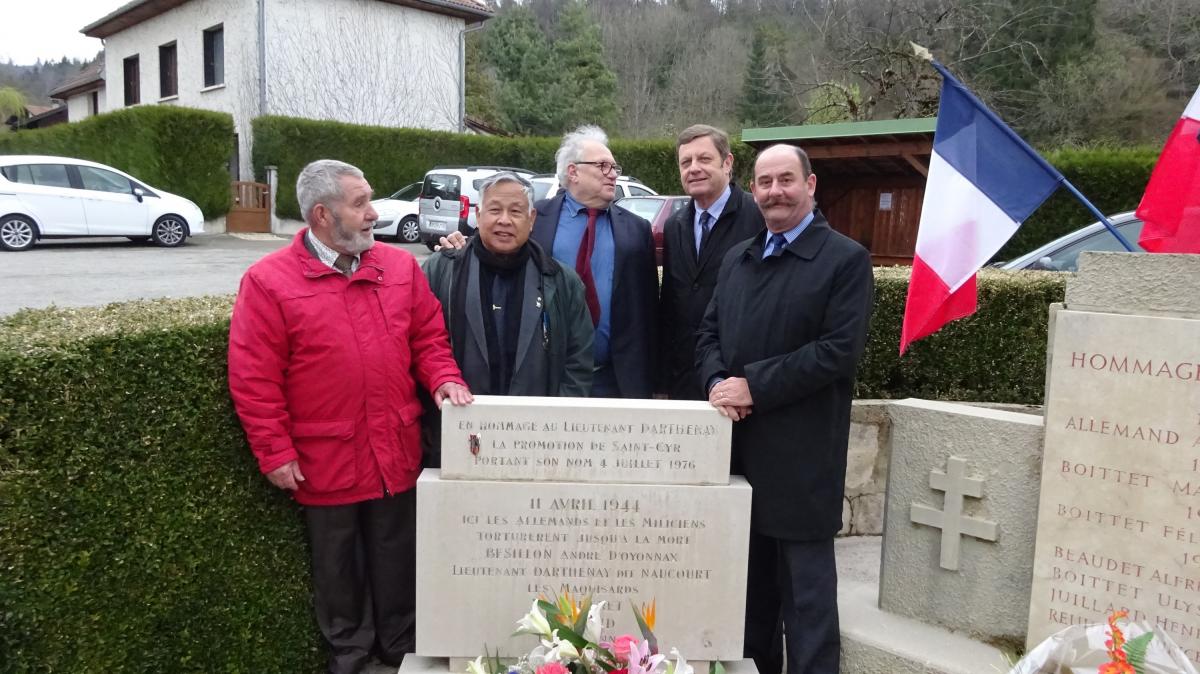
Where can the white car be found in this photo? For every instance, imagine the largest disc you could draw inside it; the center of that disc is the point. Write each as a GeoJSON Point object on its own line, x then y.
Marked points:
{"type": "Point", "coordinates": [546, 186]}
{"type": "Point", "coordinates": [58, 197]}
{"type": "Point", "coordinates": [398, 214]}
{"type": "Point", "coordinates": [449, 196]}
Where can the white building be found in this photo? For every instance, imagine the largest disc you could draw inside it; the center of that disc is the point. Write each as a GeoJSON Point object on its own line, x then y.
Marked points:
{"type": "Point", "coordinates": [395, 63]}
{"type": "Point", "coordinates": [83, 93]}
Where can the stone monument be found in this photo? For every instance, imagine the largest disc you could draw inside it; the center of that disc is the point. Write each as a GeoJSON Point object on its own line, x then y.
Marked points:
{"type": "Point", "coordinates": [1119, 523]}
{"type": "Point", "coordinates": [628, 501]}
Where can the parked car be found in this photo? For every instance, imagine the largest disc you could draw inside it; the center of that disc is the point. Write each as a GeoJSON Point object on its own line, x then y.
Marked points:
{"type": "Point", "coordinates": [1062, 254]}
{"type": "Point", "coordinates": [58, 197]}
{"type": "Point", "coordinates": [545, 186]}
{"type": "Point", "coordinates": [657, 209]}
{"type": "Point", "coordinates": [449, 195]}
{"type": "Point", "coordinates": [398, 214]}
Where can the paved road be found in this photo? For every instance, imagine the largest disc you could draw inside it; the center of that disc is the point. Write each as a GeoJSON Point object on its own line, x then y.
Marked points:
{"type": "Point", "coordinates": [85, 272]}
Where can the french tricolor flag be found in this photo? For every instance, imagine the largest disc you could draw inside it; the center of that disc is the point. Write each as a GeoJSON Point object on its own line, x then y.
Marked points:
{"type": "Point", "coordinates": [983, 182]}
{"type": "Point", "coordinates": [1170, 207]}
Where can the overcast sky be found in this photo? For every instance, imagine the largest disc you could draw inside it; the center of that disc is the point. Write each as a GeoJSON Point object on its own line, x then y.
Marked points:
{"type": "Point", "coordinates": [49, 29]}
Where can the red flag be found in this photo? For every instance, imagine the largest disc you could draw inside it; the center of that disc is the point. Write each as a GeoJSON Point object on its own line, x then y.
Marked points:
{"type": "Point", "coordinates": [1171, 206]}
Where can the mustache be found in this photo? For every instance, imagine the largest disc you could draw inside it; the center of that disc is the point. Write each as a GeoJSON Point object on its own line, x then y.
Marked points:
{"type": "Point", "coordinates": [778, 201]}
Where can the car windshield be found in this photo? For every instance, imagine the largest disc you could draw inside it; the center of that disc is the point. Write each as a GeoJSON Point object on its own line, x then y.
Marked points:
{"type": "Point", "coordinates": [1066, 258]}
{"type": "Point", "coordinates": [442, 186]}
{"type": "Point", "coordinates": [540, 189]}
{"type": "Point", "coordinates": [408, 193]}
{"type": "Point", "coordinates": [642, 207]}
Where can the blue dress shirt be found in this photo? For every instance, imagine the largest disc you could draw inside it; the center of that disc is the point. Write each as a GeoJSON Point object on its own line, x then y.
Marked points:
{"type": "Point", "coordinates": [790, 234]}
{"type": "Point", "coordinates": [714, 211]}
{"type": "Point", "coordinates": [572, 223]}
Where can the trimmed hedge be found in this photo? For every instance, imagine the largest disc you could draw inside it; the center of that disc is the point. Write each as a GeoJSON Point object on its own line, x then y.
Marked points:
{"type": "Point", "coordinates": [181, 150]}
{"type": "Point", "coordinates": [1111, 178]}
{"type": "Point", "coordinates": [392, 158]}
{"type": "Point", "coordinates": [136, 533]}
{"type": "Point", "coordinates": [998, 354]}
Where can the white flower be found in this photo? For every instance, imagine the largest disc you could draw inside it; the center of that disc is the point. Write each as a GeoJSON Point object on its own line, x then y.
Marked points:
{"type": "Point", "coordinates": [594, 626]}
{"type": "Point", "coordinates": [560, 650]}
{"type": "Point", "coordinates": [534, 622]}
{"type": "Point", "coordinates": [681, 665]}
{"type": "Point", "coordinates": [537, 658]}
{"type": "Point", "coordinates": [476, 666]}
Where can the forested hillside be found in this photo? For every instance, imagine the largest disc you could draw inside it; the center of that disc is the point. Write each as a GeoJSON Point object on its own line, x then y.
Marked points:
{"type": "Point", "coordinates": [1060, 71]}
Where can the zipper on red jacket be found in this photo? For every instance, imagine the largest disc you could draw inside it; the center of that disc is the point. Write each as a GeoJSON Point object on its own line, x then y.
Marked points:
{"type": "Point", "coordinates": [383, 483]}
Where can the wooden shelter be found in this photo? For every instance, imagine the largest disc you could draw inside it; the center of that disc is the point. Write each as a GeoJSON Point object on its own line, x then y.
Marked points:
{"type": "Point", "coordinates": [870, 178]}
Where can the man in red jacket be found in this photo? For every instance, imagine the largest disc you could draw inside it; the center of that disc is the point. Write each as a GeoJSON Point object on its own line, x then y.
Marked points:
{"type": "Point", "coordinates": [329, 339]}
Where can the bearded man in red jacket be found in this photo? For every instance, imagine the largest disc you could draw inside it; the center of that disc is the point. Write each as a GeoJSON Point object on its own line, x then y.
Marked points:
{"type": "Point", "coordinates": [329, 340]}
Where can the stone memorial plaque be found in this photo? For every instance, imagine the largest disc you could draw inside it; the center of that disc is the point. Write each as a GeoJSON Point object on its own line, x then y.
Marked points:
{"type": "Point", "coordinates": [585, 440]}
{"type": "Point", "coordinates": [1119, 518]}
{"type": "Point", "coordinates": [486, 550]}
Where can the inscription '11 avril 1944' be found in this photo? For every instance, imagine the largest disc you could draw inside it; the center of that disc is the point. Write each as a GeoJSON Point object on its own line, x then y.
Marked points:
{"type": "Point", "coordinates": [653, 442]}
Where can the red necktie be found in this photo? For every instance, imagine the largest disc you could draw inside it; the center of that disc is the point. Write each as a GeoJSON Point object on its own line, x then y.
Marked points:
{"type": "Point", "coordinates": [583, 265]}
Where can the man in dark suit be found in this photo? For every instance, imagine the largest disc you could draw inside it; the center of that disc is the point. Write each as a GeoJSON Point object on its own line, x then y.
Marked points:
{"type": "Point", "coordinates": [612, 251]}
{"type": "Point", "coordinates": [778, 348]}
{"type": "Point", "coordinates": [695, 241]}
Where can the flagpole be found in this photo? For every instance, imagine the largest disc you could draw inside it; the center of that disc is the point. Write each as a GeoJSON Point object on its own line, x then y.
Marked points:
{"type": "Point", "coordinates": [1031, 152]}
{"type": "Point", "coordinates": [1096, 212]}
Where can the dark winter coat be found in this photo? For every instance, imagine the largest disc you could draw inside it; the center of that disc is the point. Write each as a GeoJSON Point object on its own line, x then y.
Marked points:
{"type": "Point", "coordinates": [688, 284]}
{"type": "Point", "coordinates": [795, 327]}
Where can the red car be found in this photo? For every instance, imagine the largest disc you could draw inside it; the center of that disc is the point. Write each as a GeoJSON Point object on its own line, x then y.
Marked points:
{"type": "Point", "coordinates": [656, 209]}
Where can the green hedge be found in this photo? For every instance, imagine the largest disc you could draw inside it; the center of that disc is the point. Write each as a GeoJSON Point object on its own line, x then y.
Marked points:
{"type": "Point", "coordinates": [1111, 178]}
{"type": "Point", "coordinates": [181, 150]}
{"type": "Point", "coordinates": [998, 354]}
{"type": "Point", "coordinates": [392, 158]}
{"type": "Point", "coordinates": [136, 533]}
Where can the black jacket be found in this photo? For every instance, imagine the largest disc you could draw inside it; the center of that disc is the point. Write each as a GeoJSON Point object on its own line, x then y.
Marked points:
{"type": "Point", "coordinates": [795, 327]}
{"type": "Point", "coordinates": [554, 356]}
{"type": "Point", "coordinates": [634, 293]}
{"type": "Point", "coordinates": [688, 284]}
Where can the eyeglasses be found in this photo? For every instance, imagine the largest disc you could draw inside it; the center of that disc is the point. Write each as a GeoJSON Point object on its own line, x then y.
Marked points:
{"type": "Point", "coordinates": [604, 166]}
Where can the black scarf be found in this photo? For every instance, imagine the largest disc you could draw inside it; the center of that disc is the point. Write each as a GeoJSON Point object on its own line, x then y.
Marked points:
{"type": "Point", "coordinates": [501, 293]}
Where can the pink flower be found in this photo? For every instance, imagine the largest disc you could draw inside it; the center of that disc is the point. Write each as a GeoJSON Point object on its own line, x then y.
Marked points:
{"type": "Point", "coordinates": [621, 647]}
{"type": "Point", "coordinates": [552, 668]}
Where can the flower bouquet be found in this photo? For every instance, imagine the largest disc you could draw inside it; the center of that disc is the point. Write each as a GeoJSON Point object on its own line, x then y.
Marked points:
{"type": "Point", "coordinates": [1093, 649]}
{"type": "Point", "coordinates": [569, 642]}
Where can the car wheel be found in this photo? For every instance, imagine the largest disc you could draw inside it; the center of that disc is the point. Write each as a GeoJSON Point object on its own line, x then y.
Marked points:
{"type": "Point", "coordinates": [169, 231]}
{"type": "Point", "coordinates": [408, 231]}
{"type": "Point", "coordinates": [17, 232]}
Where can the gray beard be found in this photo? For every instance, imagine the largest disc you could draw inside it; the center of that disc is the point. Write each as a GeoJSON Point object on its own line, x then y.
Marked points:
{"type": "Point", "coordinates": [352, 242]}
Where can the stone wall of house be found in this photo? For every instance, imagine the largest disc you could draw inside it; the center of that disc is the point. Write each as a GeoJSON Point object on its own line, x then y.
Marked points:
{"type": "Point", "coordinates": [184, 25]}
{"type": "Point", "coordinates": [363, 62]}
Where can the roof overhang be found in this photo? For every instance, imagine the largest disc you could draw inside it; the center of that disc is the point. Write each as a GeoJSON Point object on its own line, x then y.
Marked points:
{"type": "Point", "coordinates": [76, 87]}
{"type": "Point", "coordinates": [138, 11]}
{"type": "Point", "coordinates": [896, 146]}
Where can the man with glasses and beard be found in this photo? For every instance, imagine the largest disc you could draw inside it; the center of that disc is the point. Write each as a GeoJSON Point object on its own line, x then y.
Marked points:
{"type": "Point", "coordinates": [612, 251]}
{"type": "Point", "coordinates": [329, 339]}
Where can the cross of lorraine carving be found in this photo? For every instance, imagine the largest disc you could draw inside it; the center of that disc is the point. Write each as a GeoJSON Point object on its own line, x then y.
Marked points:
{"type": "Point", "coordinates": [950, 519]}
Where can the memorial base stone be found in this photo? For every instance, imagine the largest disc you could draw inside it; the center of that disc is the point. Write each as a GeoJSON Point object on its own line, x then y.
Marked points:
{"type": "Point", "coordinates": [487, 549]}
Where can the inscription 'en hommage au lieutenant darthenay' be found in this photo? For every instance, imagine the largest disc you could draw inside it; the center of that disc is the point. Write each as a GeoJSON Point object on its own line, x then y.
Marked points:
{"type": "Point", "coordinates": [592, 440]}
{"type": "Point", "coordinates": [1119, 516]}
